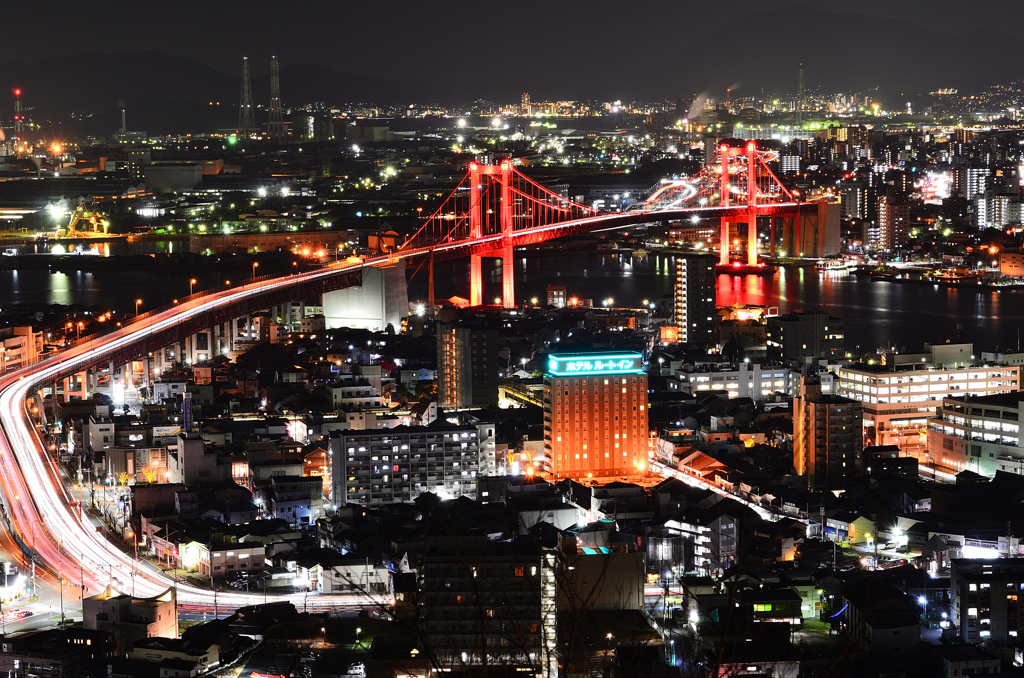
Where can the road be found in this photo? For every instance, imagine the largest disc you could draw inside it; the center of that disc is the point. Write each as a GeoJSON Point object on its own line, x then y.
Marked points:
{"type": "Point", "coordinates": [37, 500]}
{"type": "Point", "coordinates": [669, 472]}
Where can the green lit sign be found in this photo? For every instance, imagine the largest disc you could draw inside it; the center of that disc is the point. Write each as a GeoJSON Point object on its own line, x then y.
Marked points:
{"type": "Point", "coordinates": [597, 363]}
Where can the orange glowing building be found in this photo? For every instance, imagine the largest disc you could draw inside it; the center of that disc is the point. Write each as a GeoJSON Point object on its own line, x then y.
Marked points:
{"type": "Point", "coordinates": [595, 415]}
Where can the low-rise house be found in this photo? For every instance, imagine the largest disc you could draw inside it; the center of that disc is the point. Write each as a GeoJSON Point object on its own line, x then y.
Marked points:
{"type": "Point", "coordinates": [204, 655]}
{"type": "Point", "coordinates": [880, 617]}
{"type": "Point", "coordinates": [130, 619]}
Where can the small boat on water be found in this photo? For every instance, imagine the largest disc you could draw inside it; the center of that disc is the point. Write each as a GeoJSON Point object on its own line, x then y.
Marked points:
{"type": "Point", "coordinates": [827, 265]}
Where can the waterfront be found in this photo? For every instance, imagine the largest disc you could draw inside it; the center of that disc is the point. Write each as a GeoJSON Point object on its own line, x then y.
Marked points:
{"type": "Point", "coordinates": [875, 312]}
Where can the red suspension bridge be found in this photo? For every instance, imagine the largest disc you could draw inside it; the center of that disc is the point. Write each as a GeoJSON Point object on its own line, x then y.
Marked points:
{"type": "Point", "coordinates": [496, 208]}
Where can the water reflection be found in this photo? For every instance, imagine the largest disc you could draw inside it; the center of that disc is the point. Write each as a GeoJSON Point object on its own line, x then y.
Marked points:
{"type": "Point", "coordinates": [875, 312]}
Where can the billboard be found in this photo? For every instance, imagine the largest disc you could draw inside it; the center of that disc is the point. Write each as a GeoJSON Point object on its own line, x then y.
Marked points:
{"type": "Point", "coordinates": [573, 365]}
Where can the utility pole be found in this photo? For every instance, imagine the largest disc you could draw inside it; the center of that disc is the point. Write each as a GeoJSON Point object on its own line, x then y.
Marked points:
{"type": "Point", "coordinates": [246, 122]}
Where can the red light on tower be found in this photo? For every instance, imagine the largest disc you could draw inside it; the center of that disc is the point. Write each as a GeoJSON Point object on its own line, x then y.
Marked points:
{"type": "Point", "coordinates": [18, 117]}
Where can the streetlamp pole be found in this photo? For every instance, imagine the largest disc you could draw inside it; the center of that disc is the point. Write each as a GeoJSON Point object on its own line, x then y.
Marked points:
{"type": "Point", "coordinates": [137, 302]}
{"type": "Point", "coordinates": [191, 286]}
{"type": "Point", "coordinates": [255, 265]}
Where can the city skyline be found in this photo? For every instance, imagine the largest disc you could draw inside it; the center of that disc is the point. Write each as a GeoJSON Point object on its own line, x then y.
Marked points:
{"type": "Point", "coordinates": [416, 340]}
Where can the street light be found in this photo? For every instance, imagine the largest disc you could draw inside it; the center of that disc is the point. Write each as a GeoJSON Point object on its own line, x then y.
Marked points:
{"type": "Point", "coordinates": [191, 285]}
{"type": "Point", "coordinates": [137, 302]}
{"type": "Point", "coordinates": [255, 265]}
{"type": "Point", "coordinates": [79, 327]}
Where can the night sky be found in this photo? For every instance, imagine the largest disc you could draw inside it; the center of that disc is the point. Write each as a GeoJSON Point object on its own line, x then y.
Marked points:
{"type": "Point", "coordinates": [590, 47]}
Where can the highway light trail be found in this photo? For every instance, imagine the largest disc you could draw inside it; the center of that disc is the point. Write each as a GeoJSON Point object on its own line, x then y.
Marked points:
{"type": "Point", "coordinates": [38, 501]}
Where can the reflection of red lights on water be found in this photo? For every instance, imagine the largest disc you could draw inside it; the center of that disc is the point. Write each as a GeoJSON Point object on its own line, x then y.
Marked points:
{"type": "Point", "coordinates": [747, 289]}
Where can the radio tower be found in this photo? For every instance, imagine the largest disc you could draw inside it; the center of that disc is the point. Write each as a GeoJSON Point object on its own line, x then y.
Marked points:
{"type": "Point", "coordinates": [275, 126]}
{"type": "Point", "coordinates": [246, 123]}
{"type": "Point", "coordinates": [800, 97]}
{"type": "Point", "coordinates": [19, 117]}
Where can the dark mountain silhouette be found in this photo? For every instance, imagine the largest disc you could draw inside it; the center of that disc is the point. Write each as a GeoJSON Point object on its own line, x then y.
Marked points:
{"type": "Point", "coordinates": [840, 52]}
{"type": "Point", "coordinates": [164, 93]}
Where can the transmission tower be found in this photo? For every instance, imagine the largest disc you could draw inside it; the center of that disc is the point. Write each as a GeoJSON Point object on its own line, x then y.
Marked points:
{"type": "Point", "coordinates": [19, 117]}
{"type": "Point", "coordinates": [800, 97]}
{"type": "Point", "coordinates": [246, 122]}
{"type": "Point", "coordinates": [275, 126]}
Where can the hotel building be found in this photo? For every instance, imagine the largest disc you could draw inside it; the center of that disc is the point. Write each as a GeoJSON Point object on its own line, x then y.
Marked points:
{"type": "Point", "coordinates": [595, 415]}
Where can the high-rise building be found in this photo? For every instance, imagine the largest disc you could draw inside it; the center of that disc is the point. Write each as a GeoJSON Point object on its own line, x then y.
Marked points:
{"type": "Point", "coordinates": [789, 164]}
{"type": "Point", "coordinates": [695, 298]}
{"type": "Point", "coordinates": [805, 334]}
{"type": "Point", "coordinates": [375, 467]}
{"type": "Point", "coordinates": [489, 607]}
{"type": "Point", "coordinates": [969, 181]}
{"type": "Point", "coordinates": [853, 200]}
{"type": "Point", "coordinates": [595, 414]}
{"type": "Point", "coordinates": [893, 223]}
{"type": "Point", "coordinates": [828, 438]}
{"type": "Point", "coordinates": [467, 365]}
{"type": "Point", "coordinates": [992, 210]}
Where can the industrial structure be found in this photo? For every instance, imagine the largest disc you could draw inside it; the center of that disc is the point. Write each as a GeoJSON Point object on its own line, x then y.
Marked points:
{"type": "Point", "coordinates": [246, 121]}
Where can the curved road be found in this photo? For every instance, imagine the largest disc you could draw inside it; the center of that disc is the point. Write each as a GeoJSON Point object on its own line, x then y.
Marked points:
{"type": "Point", "coordinates": [38, 501]}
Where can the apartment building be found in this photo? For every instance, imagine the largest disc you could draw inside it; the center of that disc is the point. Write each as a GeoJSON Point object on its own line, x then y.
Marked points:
{"type": "Point", "coordinates": [899, 400]}
{"type": "Point", "coordinates": [978, 433]}
{"type": "Point", "coordinates": [376, 467]}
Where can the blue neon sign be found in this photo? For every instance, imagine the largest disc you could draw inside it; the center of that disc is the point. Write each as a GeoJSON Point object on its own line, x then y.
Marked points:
{"type": "Point", "coordinates": [596, 363]}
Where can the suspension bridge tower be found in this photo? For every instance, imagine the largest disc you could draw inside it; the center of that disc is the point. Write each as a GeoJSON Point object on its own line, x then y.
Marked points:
{"type": "Point", "coordinates": [478, 209]}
